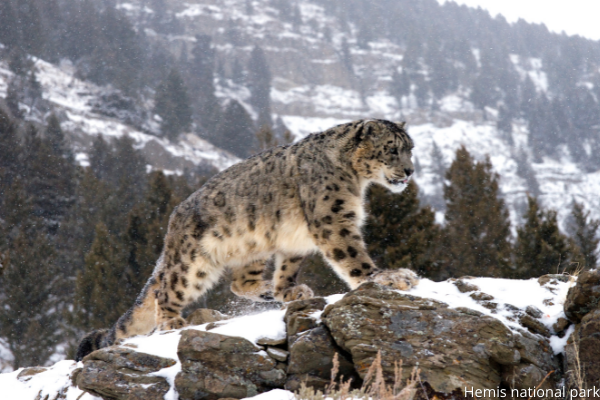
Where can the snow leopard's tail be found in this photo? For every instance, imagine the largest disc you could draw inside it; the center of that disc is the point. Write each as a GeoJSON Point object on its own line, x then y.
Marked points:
{"type": "Point", "coordinates": [140, 319]}
{"type": "Point", "coordinates": [93, 341]}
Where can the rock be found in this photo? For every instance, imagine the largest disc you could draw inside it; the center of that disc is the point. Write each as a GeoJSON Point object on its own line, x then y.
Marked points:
{"type": "Point", "coordinates": [584, 296]}
{"type": "Point", "coordinates": [216, 366]}
{"type": "Point", "coordinates": [560, 325]}
{"type": "Point", "coordinates": [278, 354]}
{"type": "Point", "coordinates": [27, 373]}
{"type": "Point", "coordinates": [552, 279]}
{"type": "Point", "coordinates": [534, 311]}
{"type": "Point", "coordinates": [454, 348]}
{"type": "Point", "coordinates": [465, 287]}
{"type": "Point", "coordinates": [480, 296]}
{"type": "Point", "coordinates": [311, 355]}
{"type": "Point", "coordinates": [205, 315]}
{"type": "Point", "coordinates": [271, 342]}
{"type": "Point", "coordinates": [527, 376]}
{"type": "Point", "coordinates": [583, 352]}
{"type": "Point", "coordinates": [536, 350]}
{"type": "Point", "coordinates": [298, 317]}
{"type": "Point", "coordinates": [122, 373]}
{"type": "Point", "coordinates": [534, 325]}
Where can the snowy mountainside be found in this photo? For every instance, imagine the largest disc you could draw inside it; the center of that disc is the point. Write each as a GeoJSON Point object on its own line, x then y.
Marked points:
{"type": "Point", "coordinates": [313, 89]}
{"type": "Point", "coordinates": [73, 101]}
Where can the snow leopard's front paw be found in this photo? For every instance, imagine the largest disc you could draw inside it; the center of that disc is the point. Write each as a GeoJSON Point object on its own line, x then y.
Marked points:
{"type": "Point", "coordinates": [402, 279]}
{"type": "Point", "coordinates": [173, 323]}
{"type": "Point", "coordinates": [300, 292]}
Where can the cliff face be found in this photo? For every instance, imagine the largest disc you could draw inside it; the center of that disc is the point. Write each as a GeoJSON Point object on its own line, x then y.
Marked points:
{"type": "Point", "coordinates": [486, 335]}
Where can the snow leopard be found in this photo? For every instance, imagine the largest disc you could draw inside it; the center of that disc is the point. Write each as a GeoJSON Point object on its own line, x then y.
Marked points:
{"type": "Point", "coordinates": [279, 206]}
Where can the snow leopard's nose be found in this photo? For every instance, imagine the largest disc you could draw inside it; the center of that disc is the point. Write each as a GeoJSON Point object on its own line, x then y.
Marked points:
{"type": "Point", "coordinates": [408, 171]}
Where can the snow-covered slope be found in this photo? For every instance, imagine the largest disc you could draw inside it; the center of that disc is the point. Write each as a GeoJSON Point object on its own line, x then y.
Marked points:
{"type": "Point", "coordinates": [512, 296]}
{"type": "Point", "coordinates": [312, 90]}
{"type": "Point", "coordinates": [73, 101]}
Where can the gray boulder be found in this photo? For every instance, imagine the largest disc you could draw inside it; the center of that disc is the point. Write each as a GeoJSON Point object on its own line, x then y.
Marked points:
{"type": "Point", "coordinates": [216, 366]}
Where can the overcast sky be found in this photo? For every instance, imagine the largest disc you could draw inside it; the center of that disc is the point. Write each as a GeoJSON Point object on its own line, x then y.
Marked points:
{"type": "Point", "coordinates": [575, 17]}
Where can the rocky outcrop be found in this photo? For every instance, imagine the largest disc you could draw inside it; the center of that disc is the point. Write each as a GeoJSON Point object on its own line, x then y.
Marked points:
{"type": "Point", "coordinates": [582, 354]}
{"type": "Point", "coordinates": [454, 348]}
{"type": "Point", "coordinates": [311, 347]}
{"type": "Point", "coordinates": [215, 366]}
{"type": "Point", "coordinates": [123, 373]}
{"type": "Point", "coordinates": [583, 297]}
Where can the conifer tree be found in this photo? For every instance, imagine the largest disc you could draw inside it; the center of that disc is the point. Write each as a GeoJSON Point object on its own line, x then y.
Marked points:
{"type": "Point", "coordinates": [400, 86]}
{"type": "Point", "coordinates": [585, 234]}
{"type": "Point", "coordinates": [235, 132]}
{"type": "Point", "coordinates": [9, 34]}
{"type": "Point", "coordinates": [399, 232]}
{"type": "Point", "coordinates": [266, 138]}
{"type": "Point", "coordinates": [259, 83]}
{"type": "Point", "coordinates": [29, 25]}
{"type": "Point", "coordinates": [9, 150]}
{"type": "Point", "coordinates": [49, 178]}
{"type": "Point", "coordinates": [525, 171]}
{"type": "Point", "coordinates": [201, 72]}
{"type": "Point", "coordinates": [172, 104]}
{"type": "Point", "coordinates": [346, 56]}
{"type": "Point", "coordinates": [476, 235]}
{"type": "Point", "coordinates": [146, 229]}
{"type": "Point", "coordinates": [540, 248]}
{"type": "Point", "coordinates": [100, 297]}
{"type": "Point", "coordinates": [26, 319]}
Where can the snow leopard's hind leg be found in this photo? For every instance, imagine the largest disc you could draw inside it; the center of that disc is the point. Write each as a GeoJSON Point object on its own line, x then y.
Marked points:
{"type": "Point", "coordinates": [284, 278]}
{"type": "Point", "coordinates": [249, 282]}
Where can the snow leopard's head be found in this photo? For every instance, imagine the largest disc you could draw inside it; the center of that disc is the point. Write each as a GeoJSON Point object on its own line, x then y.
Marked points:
{"type": "Point", "coordinates": [383, 153]}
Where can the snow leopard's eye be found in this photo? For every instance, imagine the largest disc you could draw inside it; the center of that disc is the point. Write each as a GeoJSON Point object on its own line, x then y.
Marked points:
{"type": "Point", "coordinates": [394, 151]}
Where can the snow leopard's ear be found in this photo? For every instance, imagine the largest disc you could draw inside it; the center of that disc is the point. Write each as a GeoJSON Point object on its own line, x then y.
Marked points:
{"type": "Point", "coordinates": [401, 125]}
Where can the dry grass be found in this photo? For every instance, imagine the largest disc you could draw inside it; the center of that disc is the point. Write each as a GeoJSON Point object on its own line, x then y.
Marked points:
{"type": "Point", "coordinates": [579, 372]}
{"type": "Point", "coordinates": [374, 386]}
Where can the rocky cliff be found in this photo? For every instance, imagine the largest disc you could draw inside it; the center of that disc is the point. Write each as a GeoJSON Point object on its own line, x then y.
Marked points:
{"type": "Point", "coordinates": [503, 337]}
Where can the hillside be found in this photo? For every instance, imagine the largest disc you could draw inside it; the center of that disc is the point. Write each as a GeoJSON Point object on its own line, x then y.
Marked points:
{"type": "Point", "coordinates": [330, 64]}
{"type": "Point", "coordinates": [523, 96]}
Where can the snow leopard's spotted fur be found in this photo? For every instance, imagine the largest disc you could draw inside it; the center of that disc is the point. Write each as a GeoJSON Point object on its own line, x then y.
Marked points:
{"type": "Point", "coordinates": [284, 203]}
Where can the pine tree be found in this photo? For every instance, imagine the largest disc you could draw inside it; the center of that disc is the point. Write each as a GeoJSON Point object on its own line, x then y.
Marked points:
{"type": "Point", "coordinates": [266, 138]}
{"type": "Point", "coordinates": [259, 83]}
{"type": "Point", "coordinates": [400, 86]}
{"type": "Point", "coordinates": [540, 248]}
{"type": "Point", "coordinates": [584, 232]}
{"type": "Point", "coordinates": [100, 297]}
{"type": "Point", "coordinates": [477, 228]}
{"type": "Point", "coordinates": [172, 104]}
{"type": "Point", "coordinates": [235, 132]}
{"type": "Point", "coordinates": [525, 171]}
{"type": "Point", "coordinates": [27, 321]}
{"type": "Point", "coordinates": [346, 56]}
{"type": "Point", "coordinates": [55, 137]}
{"type": "Point", "coordinates": [30, 28]}
{"type": "Point", "coordinates": [9, 34]}
{"type": "Point", "coordinates": [399, 232]}
{"type": "Point", "coordinates": [146, 229]}
{"type": "Point", "coordinates": [504, 125]}
{"type": "Point", "coordinates": [201, 71]}
{"type": "Point", "coordinates": [10, 148]}
{"type": "Point", "coordinates": [48, 177]}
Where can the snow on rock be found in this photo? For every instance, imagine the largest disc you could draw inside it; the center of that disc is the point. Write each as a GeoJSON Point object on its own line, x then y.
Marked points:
{"type": "Point", "coordinates": [73, 100]}
{"type": "Point", "coordinates": [25, 384]}
{"type": "Point", "coordinates": [510, 295]}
